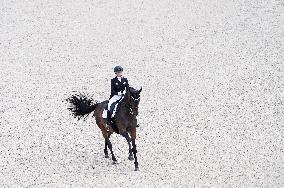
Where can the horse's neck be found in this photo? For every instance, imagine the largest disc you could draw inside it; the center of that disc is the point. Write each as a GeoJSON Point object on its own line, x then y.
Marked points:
{"type": "Point", "coordinates": [125, 102]}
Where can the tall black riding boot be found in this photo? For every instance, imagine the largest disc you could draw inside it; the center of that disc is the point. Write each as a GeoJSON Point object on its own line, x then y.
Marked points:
{"type": "Point", "coordinates": [108, 118]}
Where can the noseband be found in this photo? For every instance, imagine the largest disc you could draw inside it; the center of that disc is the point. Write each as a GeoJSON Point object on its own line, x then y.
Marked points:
{"type": "Point", "coordinates": [135, 99]}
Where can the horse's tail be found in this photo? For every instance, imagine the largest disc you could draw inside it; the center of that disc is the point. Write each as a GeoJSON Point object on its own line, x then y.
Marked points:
{"type": "Point", "coordinates": [81, 105]}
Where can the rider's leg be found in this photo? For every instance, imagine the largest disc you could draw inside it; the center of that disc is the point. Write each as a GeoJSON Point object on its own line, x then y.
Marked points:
{"type": "Point", "coordinates": [110, 105]}
{"type": "Point", "coordinates": [116, 105]}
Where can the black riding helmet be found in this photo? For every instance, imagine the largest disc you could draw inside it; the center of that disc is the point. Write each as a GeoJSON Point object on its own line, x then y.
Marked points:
{"type": "Point", "coordinates": [118, 69]}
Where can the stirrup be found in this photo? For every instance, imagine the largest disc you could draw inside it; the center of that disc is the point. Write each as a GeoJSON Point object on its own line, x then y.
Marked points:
{"type": "Point", "coordinates": [108, 122]}
{"type": "Point", "coordinates": [108, 127]}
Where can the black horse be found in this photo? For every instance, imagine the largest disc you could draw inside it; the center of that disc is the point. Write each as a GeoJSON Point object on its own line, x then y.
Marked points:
{"type": "Point", "coordinates": [125, 119]}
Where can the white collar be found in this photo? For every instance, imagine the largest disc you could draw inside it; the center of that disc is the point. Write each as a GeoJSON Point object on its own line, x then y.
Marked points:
{"type": "Point", "coordinates": [119, 78]}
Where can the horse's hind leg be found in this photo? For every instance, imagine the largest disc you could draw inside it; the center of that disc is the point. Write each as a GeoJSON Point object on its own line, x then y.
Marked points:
{"type": "Point", "coordinates": [110, 148]}
{"type": "Point", "coordinates": [127, 137]}
{"type": "Point", "coordinates": [108, 144]}
{"type": "Point", "coordinates": [105, 150]}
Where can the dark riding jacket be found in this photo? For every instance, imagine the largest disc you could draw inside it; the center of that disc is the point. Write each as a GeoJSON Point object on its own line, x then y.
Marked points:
{"type": "Point", "coordinates": [117, 86]}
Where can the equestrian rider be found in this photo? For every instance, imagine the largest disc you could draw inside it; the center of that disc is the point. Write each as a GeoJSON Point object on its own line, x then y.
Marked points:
{"type": "Point", "coordinates": [119, 85]}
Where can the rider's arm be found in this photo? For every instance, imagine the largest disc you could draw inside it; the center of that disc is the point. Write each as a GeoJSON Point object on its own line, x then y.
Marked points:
{"type": "Point", "coordinates": [127, 85]}
{"type": "Point", "coordinates": [112, 88]}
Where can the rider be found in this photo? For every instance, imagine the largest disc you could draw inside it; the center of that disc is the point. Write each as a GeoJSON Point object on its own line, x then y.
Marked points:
{"type": "Point", "coordinates": [119, 85]}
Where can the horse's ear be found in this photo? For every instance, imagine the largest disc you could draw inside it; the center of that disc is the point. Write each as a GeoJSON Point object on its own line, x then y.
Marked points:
{"type": "Point", "coordinates": [140, 90]}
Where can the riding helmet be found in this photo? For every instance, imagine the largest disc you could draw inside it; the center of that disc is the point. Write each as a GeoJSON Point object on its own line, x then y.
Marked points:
{"type": "Point", "coordinates": [118, 69]}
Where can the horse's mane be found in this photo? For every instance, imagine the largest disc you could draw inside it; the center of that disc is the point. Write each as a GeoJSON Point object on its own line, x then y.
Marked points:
{"type": "Point", "coordinates": [132, 90]}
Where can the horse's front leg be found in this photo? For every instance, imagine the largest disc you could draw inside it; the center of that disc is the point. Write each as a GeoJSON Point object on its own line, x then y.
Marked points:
{"type": "Point", "coordinates": [134, 150]}
{"type": "Point", "coordinates": [128, 139]}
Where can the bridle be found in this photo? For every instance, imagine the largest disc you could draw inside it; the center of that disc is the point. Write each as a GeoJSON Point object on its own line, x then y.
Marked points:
{"type": "Point", "coordinates": [133, 107]}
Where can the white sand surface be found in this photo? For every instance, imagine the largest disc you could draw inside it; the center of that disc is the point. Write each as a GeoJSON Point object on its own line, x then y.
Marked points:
{"type": "Point", "coordinates": [212, 105]}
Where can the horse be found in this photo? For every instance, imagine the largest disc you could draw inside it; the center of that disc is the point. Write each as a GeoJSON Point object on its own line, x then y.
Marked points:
{"type": "Point", "coordinates": [125, 119]}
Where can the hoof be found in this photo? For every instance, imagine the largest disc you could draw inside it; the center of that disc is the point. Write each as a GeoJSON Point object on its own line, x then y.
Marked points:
{"type": "Point", "coordinates": [131, 158]}
{"type": "Point", "coordinates": [114, 162]}
{"type": "Point", "coordinates": [136, 169]}
{"type": "Point", "coordinates": [106, 156]}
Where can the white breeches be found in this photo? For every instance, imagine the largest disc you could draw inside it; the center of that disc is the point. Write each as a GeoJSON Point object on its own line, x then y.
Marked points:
{"type": "Point", "coordinates": [110, 102]}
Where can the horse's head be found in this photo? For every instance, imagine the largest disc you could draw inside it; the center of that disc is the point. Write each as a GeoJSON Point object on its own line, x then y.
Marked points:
{"type": "Point", "coordinates": [134, 99]}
